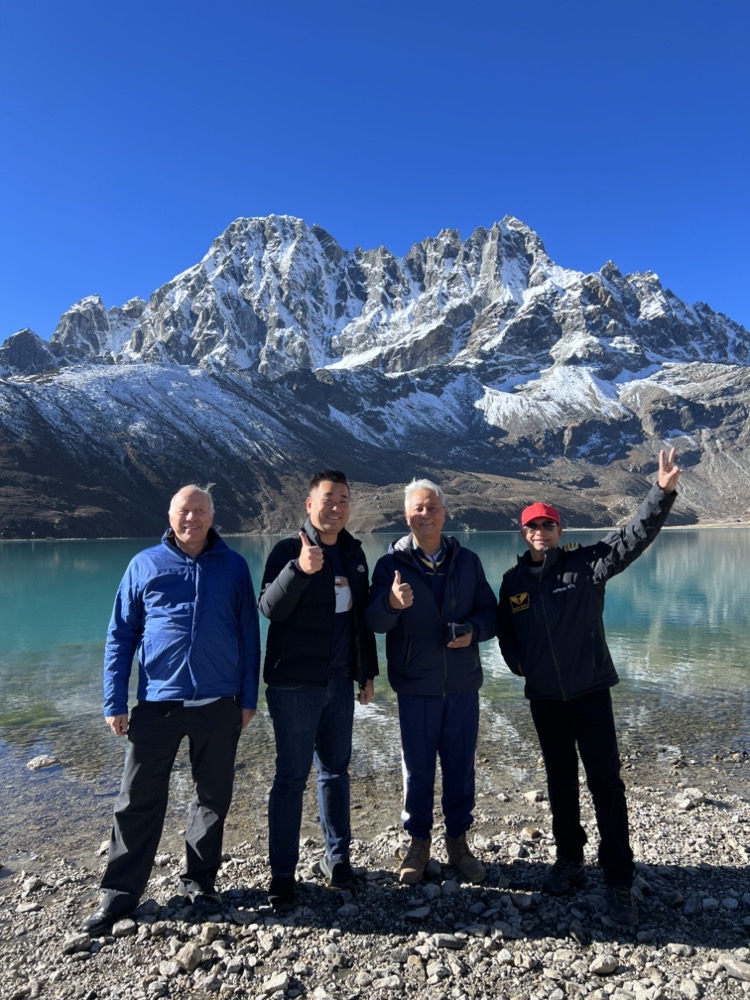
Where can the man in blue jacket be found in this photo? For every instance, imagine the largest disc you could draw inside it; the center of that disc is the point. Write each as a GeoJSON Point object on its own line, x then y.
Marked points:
{"type": "Point", "coordinates": [551, 633]}
{"type": "Point", "coordinates": [430, 596]}
{"type": "Point", "coordinates": [314, 593]}
{"type": "Point", "coordinates": [186, 607]}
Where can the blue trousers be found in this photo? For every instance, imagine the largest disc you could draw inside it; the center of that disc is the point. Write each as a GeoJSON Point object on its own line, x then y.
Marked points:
{"type": "Point", "coordinates": [586, 723]}
{"type": "Point", "coordinates": [446, 728]}
{"type": "Point", "coordinates": [311, 723]}
{"type": "Point", "coordinates": [155, 732]}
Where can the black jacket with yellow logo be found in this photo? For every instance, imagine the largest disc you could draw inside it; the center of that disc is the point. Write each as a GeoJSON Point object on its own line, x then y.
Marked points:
{"type": "Point", "coordinates": [549, 624]}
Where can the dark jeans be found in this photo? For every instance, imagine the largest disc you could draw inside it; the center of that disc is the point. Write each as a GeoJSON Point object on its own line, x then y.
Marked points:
{"type": "Point", "coordinates": [155, 732]}
{"type": "Point", "coordinates": [311, 723]}
{"type": "Point", "coordinates": [587, 722]}
{"type": "Point", "coordinates": [446, 728]}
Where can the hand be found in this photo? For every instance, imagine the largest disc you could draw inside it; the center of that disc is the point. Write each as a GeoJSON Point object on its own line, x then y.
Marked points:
{"type": "Point", "coordinates": [400, 595]}
{"type": "Point", "coordinates": [117, 723]}
{"type": "Point", "coordinates": [247, 715]}
{"type": "Point", "coordinates": [310, 558]}
{"type": "Point", "coordinates": [461, 641]}
{"type": "Point", "coordinates": [669, 473]}
{"type": "Point", "coordinates": [366, 693]}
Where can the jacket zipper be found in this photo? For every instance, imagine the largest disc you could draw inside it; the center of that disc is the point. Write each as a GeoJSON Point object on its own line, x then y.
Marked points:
{"type": "Point", "coordinates": [553, 654]}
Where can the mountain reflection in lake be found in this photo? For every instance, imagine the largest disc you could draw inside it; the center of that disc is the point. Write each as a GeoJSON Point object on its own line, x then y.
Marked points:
{"type": "Point", "coordinates": [677, 625]}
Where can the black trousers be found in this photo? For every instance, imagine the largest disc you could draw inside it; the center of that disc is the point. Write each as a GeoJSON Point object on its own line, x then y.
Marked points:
{"type": "Point", "coordinates": [585, 723]}
{"type": "Point", "coordinates": [154, 735]}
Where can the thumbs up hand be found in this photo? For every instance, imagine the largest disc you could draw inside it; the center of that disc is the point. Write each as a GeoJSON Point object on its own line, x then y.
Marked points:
{"type": "Point", "coordinates": [310, 558]}
{"type": "Point", "coordinates": [400, 595]}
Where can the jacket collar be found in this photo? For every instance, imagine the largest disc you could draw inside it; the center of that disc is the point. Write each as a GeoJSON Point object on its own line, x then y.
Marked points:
{"type": "Point", "coordinates": [212, 539]}
{"type": "Point", "coordinates": [346, 539]}
{"type": "Point", "coordinates": [551, 559]}
{"type": "Point", "coordinates": [404, 548]}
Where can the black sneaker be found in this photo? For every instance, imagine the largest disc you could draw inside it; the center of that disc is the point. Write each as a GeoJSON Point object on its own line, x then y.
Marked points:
{"type": "Point", "coordinates": [338, 874]}
{"type": "Point", "coordinates": [208, 899]}
{"type": "Point", "coordinates": [563, 876]}
{"type": "Point", "coordinates": [622, 907]}
{"type": "Point", "coordinates": [281, 893]}
{"type": "Point", "coordinates": [99, 922]}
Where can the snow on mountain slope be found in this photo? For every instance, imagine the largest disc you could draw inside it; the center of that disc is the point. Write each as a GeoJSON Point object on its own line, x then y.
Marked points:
{"type": "Point", "coordinates": [280, 351]}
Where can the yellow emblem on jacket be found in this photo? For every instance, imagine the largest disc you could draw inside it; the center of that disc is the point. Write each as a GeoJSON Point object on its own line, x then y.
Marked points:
{"type": "Point", "coordinates": [520, 602]}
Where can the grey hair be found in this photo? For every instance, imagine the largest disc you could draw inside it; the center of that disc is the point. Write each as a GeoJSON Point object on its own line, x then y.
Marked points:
{"type": "Point", "coordinates": [422, 484]}
{"type": "Point", "coordinates": [205, 490]}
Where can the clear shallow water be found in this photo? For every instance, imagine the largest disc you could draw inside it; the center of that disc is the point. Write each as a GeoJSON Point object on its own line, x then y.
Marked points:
{"type": "Point", "coordinates": [677, 625]}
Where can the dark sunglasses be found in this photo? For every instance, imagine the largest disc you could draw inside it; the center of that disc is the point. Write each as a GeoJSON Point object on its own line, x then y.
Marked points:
{"type": "Point", "coordinates": [544, 525]}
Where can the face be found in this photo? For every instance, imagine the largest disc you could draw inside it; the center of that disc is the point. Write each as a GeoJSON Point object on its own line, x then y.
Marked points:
{"type": "Point", "coordinates": [425, 514]}
{"type": "Point", "coordinates": [190, 517]}
{"type": "Point", "coordinates": [541, 534]}
{"type": "Point", "coordinates": [328, 508]}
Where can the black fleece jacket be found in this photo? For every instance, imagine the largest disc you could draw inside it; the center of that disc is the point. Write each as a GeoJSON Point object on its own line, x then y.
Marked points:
{"type": "Point", "coordinates": [301, 609]}
{"type": "Point", "coordinates": [550, 626]}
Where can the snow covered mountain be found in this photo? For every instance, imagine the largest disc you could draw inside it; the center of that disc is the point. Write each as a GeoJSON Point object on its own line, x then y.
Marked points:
{"type": "Point", "coordinates": [479, 362]}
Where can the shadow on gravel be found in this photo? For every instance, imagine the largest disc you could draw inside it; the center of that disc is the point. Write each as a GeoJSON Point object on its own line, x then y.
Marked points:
{"type": "Point", "coordinates": [698, 907]}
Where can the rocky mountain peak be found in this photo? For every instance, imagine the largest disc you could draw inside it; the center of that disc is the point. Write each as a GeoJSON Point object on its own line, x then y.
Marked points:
{"type": "Point", "coordinates": [477, 360]}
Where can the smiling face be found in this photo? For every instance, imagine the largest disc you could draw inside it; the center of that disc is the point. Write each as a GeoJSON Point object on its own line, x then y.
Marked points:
{"type": "Point", "coordinates": [328, 509]}
{"type": "Point", "coordinates": [425, 515]}
{"type": "Point", "coordinates": [190, 516]}
{"type": "Point", "coordinates": [539, 534]}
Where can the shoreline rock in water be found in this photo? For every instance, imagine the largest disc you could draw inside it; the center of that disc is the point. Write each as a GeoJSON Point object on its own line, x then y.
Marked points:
{"type": "Point", "coordinates": [440, 939]}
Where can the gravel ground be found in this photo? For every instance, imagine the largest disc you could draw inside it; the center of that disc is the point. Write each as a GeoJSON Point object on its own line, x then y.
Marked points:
{"type": "Point", "coordinates": [441, 939]}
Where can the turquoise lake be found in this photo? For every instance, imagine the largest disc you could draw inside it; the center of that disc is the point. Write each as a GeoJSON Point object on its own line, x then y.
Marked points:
{"type": "Point", "coordinates": [677, 625]}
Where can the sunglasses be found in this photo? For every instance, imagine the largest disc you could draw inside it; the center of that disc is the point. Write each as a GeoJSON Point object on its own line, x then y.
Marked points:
{"type": "Point", "coordinates": [536, 525]}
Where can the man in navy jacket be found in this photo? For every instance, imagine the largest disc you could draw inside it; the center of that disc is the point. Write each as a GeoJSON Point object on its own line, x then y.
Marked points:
{"type": "Point", "coordinates": [430, 597]}
{"type": "Point", "coordinates": [314, 592]}
{"type": "Point", "coordinates": [186, 607]}
{"type": "Point", "coordinates": [551, 633]}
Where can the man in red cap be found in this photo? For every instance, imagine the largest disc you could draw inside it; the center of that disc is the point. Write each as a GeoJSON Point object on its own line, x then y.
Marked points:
{"type": "Point", "coordinates": [551, 632]}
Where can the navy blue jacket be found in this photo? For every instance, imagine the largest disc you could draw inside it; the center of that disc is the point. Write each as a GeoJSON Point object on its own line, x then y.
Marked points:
{"type": "Point", "coordinates": [301, 609]}
{"type": "Point", "coordinates": [193, 623]}
{"type": "Point", "coordinates": [419, 660]}
{"type": "Point", "coordinates": [550, 625]}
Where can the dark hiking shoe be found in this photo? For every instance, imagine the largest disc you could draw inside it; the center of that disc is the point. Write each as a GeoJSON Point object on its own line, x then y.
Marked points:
{"type": "Point", "coordinates": [282, 893]}
{"type": "Point", "coordinates": [208, 899]}
{"type": "Point", "coordinates": [99, 922]}
{"type": "Point", "coordinates": [622, 907]}
{"type": "Point", "coordinates": [102, 920]}
{"type": "Point", "coordinates": [338, 874]}
{"type": "Point", "coordinates": [564, 876]}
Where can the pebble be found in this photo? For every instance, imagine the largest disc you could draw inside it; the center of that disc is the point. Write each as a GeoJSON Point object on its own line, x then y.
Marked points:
{"type": "Point", "coordinates": [43, 760]}
{"type": "Point", "coordinates": [443, 938]}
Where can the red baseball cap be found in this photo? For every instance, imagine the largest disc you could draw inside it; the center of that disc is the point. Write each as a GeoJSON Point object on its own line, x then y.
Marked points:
{"type": "Point", "coordinates": [539, 510]}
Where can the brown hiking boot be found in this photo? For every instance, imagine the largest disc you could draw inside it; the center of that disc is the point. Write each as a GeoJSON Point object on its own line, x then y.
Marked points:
{"type": "Point", "coordinates": [415, 862]}
{"type": "Point", "coordinates": [460, 857]}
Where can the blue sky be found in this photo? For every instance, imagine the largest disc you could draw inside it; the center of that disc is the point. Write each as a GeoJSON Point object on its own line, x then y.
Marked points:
{"type": "Point", "coordinates": [134, 133]}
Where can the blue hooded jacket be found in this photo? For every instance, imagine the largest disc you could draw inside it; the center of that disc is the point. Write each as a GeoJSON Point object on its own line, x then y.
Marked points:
{"type": "Point", "coordinates": [193, 624]}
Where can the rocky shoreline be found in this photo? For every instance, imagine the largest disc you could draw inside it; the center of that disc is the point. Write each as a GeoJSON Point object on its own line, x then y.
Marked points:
{"type": "Point", "coordinates": [441, 939]}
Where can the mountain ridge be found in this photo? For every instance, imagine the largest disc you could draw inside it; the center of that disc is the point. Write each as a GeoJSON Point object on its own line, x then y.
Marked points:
{"type": "Point", "coordinates": [480, 362]}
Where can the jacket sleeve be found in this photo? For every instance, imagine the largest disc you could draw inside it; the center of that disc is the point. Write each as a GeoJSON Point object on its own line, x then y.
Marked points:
{"type": "Point", "coordinates": [484, 613]}
{"type": "Point", "coordinates": [250, 641]}
{"type": "Point", "coordinates": [510, 647]}
{"type": "Point", "coordinates": [123, 636]}
{"type": "Point", "coordinates": [379, 616]}
{"type": "Point", "coordinates": [283, 584]}
{"type": "Point", "coordinates": [617, 550]}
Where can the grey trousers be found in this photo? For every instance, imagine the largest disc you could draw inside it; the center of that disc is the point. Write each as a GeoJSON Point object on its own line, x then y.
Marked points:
{"type": "Point", "coordinates": [155, 732]}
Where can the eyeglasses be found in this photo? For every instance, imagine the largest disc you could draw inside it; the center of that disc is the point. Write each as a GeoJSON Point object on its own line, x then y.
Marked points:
{"type": "Point", "coordinates": [536, 525]}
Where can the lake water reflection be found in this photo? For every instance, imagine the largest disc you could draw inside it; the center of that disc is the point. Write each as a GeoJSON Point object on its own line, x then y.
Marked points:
{"type": "Point", "coordinates": [677, 625]}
